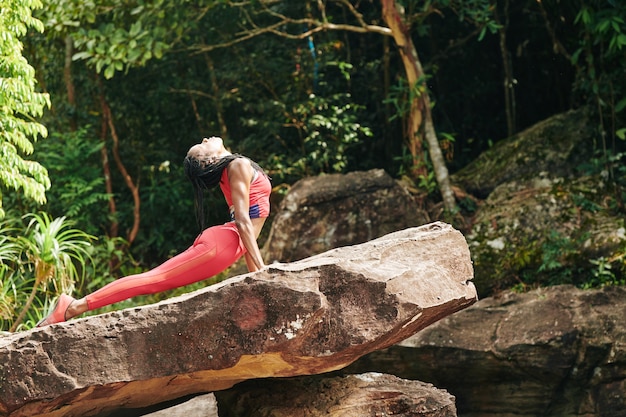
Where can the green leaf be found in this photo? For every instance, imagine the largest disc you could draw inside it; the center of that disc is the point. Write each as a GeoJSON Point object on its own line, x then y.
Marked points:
{"type": "Point", "coordinates": [109, 72]}
{"type": "Point", "coordinates": [81, 55]}
{"type": "Point", "coordinates": [135, 29]}
{"type": "Point", "coordinates": [482, 33]}
{"type": "Point", "coordinates": [603, 26]}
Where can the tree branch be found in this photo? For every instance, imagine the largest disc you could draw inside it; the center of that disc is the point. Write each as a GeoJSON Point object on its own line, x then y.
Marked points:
{"type": "Point", "coordinates": [134, 188]}
{"type": "Point", "coordinates": [315, 25]}
{"type": "Point", "coordinates": [557, 46]}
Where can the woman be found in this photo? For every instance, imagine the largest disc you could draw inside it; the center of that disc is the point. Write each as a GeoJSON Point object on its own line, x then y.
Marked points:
{"type": "Point", "coordinates": [246, 189]}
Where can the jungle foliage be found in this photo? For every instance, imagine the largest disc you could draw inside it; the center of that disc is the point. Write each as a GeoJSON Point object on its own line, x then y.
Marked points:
{"type": "Point", "coordinates": [302, 89]}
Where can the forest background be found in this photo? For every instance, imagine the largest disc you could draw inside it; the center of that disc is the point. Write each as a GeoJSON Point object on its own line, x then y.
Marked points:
{"type": "Point", "coordinates": [102, 99]}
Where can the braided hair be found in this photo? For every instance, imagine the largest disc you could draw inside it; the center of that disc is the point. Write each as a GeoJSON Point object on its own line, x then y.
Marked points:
{"type": "Point", "coordinates": [206, 175]}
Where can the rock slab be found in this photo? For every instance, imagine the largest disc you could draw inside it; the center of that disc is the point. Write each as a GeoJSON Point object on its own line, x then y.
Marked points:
{"type": "Point", "coordinates": [329, 211]}
{"type": "Point", "coordinates": [552, 352]}
{"type": "Point", "coordinates": [365, 395]}
{"type": "Point", "coordinates": [304, 318]}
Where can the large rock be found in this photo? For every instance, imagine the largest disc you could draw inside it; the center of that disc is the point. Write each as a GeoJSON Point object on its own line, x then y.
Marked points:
{"type": "Point", "coordinates": [366, 395]}
{"type": "Point", "coordinates": [550, 213]}
{"type": "Point", "coordinates": [554, 352]}
{"type": "Point", "coordinates": [308, 317]}
{"type": "Point", "coordinates": [329, 211]}
{"type": "Point", "coordinates": [546, 230]}
{"type": "Point", "coordinates": [557, 145]}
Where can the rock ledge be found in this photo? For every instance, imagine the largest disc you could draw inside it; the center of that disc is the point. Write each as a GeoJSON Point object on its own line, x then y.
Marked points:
{"type": "Point", "coordinates": [303, 318]}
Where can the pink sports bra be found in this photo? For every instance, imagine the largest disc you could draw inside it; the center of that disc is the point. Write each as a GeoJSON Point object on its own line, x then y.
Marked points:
{"type": "Point", "coordinates": [260, 190]}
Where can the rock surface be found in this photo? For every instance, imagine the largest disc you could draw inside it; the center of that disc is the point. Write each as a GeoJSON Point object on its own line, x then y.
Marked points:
{"type": "Point", "coordinates": [546, 230]}
{"type": "Point", "coordinates": [308, 317]}
{"type": "Point", "coordinates": [366, 395]}
{"type": "Point", "coordinates": [555, 352]}
{"type": "Point", "coordinates": [199, 406]}
{"type": "Point", "coordinates": [330, 211]}
{"type": "Point", "coordinates": [549, 213]}
{"type": "Point", "coordinates": [556, 146]}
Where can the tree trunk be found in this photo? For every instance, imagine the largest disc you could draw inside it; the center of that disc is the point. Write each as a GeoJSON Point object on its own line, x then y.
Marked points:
{"type": "Point", "coordinates": [420, 113]}
{"type": "Point", "coordinates": [107, 122]}
{"type": "Point", "coordinates": [69, 81]}
{"type": "Point", "coordinates": [216, 97]}
{"type": "Point", "coordinates": [106, 168]}
{"type": "Point", "coordinates": [509, 86]}
{"type": "Point", "coordinates": [390, 142]}
{"type": "Point", "coordinates": [439, 162]}
{"type": "Point", "coordinates": [134, 188]}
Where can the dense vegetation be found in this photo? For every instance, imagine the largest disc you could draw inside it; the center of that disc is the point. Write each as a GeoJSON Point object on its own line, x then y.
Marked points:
{"type": "Point", "coordinates": [120, 90]}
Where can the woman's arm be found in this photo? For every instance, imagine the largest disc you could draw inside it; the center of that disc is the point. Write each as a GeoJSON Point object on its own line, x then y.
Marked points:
{"type": "Point", "coordinates": [240, 174]}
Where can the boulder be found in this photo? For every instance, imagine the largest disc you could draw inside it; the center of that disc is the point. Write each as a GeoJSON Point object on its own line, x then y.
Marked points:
{"type": "Point", "coordinates": [365, 395]}
{"type": "Point", "coordinates": [557, 145]}
{"type": "Point", "coordinates": [546, 230]}
{"type": "Point", "coordinates": [330, 211]}
{"type": "Point", "coordinates": [308, 317]}
{"type": "Point", "coordinates": [550, 214]}
{"type": "Point", "coordinates": [553, 352]}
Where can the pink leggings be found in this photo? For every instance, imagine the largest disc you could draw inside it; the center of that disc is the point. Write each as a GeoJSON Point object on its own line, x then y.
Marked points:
{"type": "Point", "coordinates": [216, 249]}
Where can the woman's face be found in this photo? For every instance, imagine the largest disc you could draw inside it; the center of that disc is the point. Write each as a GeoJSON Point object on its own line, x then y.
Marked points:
{"type": "Point", "coordinates": [209, 150]}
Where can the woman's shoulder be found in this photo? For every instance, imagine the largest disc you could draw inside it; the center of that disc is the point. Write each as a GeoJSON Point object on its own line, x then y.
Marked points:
{"type": "Point", "coordinates": [240, 162]}
{"type": "Point", "coordinates": [241, 166]}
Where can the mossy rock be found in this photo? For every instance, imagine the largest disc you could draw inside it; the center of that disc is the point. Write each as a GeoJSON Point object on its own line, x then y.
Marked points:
{"type": "Point", "coordinates": [546, 231]}
{"type": "Point", "coordinates": [557, 146]}
{"type": "Point", "coordinates": [543, 222]}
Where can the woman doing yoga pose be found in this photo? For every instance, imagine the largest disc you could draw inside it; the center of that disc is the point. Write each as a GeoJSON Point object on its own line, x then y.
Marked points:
{"type": "Point", "coordinates": [246, 189]}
